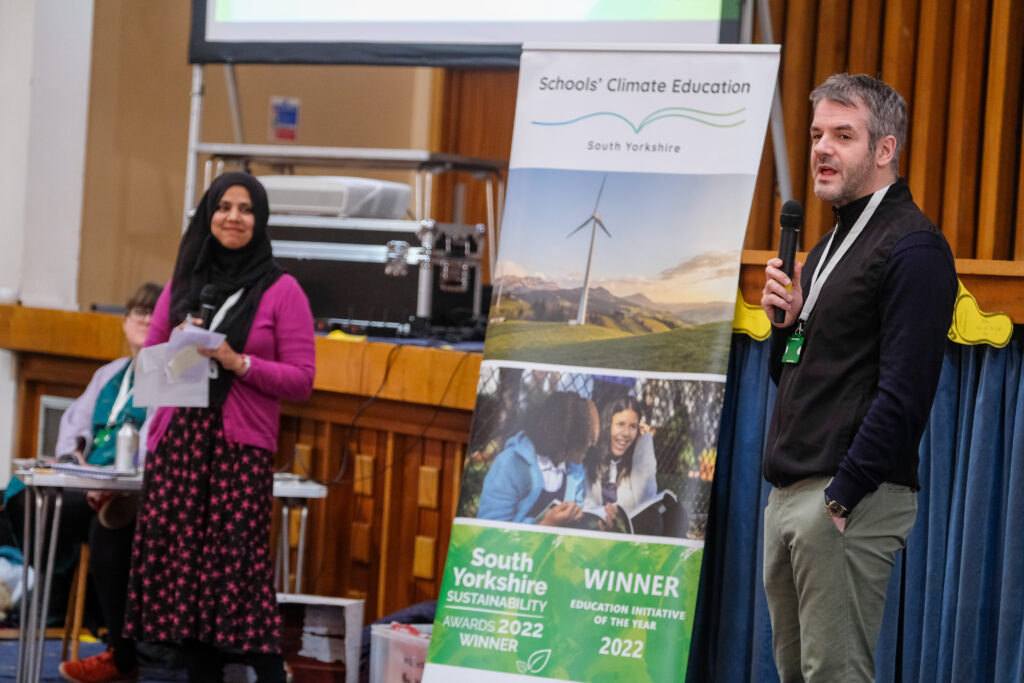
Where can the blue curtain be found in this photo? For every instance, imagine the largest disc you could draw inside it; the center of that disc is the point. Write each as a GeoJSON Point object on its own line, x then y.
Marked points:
{"type": "Point", "coordinates": [956, 599]}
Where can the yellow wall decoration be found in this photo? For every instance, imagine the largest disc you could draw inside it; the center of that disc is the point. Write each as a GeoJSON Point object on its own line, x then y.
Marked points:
{"type": "Point", "coordinates": [750, 320]}
{"type": "Point", "coordinates": [970, 325]}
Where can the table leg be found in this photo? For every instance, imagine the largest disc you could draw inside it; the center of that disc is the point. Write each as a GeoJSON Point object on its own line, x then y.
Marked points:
{"type": "Point", "coordinates": [24, 642]}
{"type": "Point", "coordinates": [32, 636]}
{"type": "Point", "coordinates": [286, 529]}
{"type": "Point", "coordinates": [58, 504]}
{"type": "Point", "coordinates": [302, 547]}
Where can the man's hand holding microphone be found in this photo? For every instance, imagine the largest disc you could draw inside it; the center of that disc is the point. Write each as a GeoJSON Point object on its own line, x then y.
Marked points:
{"type": "Point", "coordinates": [782, 297]}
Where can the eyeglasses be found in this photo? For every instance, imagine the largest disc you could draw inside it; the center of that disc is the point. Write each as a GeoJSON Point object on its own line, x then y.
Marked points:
{"type": "Point", "coordinates": [140, 314]}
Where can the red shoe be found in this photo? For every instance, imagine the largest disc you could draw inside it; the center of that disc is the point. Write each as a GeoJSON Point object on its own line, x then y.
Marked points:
{"type": "Point", "coordinates": [96, 669]}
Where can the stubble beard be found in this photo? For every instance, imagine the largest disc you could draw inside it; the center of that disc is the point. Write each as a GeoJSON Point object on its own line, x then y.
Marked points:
{"type": "Point", "coordinates": [854, 182]}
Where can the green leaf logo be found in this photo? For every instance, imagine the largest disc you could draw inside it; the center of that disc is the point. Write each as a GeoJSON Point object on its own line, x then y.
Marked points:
{"type": "Point", "coordinates": [535, 663]}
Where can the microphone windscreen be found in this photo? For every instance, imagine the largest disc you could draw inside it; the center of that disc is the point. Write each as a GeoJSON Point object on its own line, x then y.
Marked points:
{"type": "Point", "coordinates": [208, 294]}
{"type": "Point", "coordinates": [792, 214]}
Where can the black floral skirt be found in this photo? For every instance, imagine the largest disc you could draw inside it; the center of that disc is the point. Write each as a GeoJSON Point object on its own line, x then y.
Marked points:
{"type": "Point", "coordinates": [201, 566]}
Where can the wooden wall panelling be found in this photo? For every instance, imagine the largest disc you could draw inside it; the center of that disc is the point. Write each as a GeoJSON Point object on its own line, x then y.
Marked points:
{"type": "Point", "coordinates": [399, 525]}
{"type": "Point", "coordinates": [429, 520]}
{"type": "Point", "coordinates": [330, 519]}
{"type": "Point", "coordinates": [865, 37]}
{"type": "Point", "coordinates": [428, 490]}
{"type": "Point", "coordinates": [478, 115]}
{"type": "Point", "coordinates": [898, 53]}
{"type": "Point", "coordinates": [797, 83]}
{"type": "Point", "coordinates": [382, 520]}
{"type": "Point", "coordinates": [965, 121]}
{"type": "Point", "coordinates": [778, 12]}
{"type": "Point", "coordinates": [422, 524]}
{"type": "Point", "coordinates": [451, 479]}
{"type": "Point", "coordinates": [438, 523]}
{"type": "Point", "coordinates": [424, 553]}
{"type": "Point", "coordinates": [453, 482]}
{"type": "Point", "coordinates": [362, 475]}
{"type": "Point", "coordinates": [761, 222]}
{"type": "Point", "coordinates": [1002, 125]}
{"type": "Point", "coordinates": [356, 576]}
{"type": "Point", "coordinates": [830, 58]}
{"type": "Point", "coordinates": [926, 137]}
{"type": "Point", "coordinates": [1018, 243]}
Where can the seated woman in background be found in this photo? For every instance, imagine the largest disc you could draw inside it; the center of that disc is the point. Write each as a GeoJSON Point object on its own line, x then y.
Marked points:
{"type": "Point", "coordinates": [622, 469]}
{"type": "Point", "coordinates": [537, 477]}
{"type": "Point", "coordinates": [87, 432]}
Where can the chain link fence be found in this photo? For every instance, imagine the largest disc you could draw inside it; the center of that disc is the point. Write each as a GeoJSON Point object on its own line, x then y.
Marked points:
{"type": "Point", "coordinates": [683, 416]}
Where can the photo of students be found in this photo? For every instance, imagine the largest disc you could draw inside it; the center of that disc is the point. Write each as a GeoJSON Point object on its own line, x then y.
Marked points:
{"type": "Point", "coordinates": [538, 477]}
{"type": "Point", "coordinates": [619, 454]}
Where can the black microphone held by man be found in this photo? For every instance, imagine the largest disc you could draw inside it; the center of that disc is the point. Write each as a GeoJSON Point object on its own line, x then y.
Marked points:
{"type": "Point", "coordinates": [790, 218]}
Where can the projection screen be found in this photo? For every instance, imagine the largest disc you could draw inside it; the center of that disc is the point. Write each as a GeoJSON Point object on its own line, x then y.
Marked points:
{"type": "Point", "coordinates": [467, 33]}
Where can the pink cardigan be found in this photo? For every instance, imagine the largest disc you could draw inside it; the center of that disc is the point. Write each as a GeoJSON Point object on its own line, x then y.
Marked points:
{"type": "Point", "coordinates": [283, 356]}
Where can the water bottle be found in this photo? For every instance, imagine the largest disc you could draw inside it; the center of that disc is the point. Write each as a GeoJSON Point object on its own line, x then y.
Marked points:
{"type": "Point", "coordinates": [126, 446]}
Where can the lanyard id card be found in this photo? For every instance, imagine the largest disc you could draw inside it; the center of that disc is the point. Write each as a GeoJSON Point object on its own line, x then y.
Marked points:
{"type": "Point", "coordinates": [794, 344]}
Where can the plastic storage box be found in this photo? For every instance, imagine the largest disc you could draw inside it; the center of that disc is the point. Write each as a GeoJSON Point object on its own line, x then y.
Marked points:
{"type": "Point", "coordinates": [396, 654]}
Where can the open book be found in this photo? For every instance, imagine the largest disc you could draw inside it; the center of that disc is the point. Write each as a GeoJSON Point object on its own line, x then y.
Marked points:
{"type": "Point", "coordinates": [660, 515]}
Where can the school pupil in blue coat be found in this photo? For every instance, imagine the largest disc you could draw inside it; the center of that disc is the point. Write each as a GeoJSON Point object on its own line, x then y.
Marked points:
{"type": "Point", "coordinates": [539, 471]}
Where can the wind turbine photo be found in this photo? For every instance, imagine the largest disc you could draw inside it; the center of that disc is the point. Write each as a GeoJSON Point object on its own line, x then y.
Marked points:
{"type": "Point", "coordinates": [663, 296]}
{"type": "Point", "coordinates": [595, 222]}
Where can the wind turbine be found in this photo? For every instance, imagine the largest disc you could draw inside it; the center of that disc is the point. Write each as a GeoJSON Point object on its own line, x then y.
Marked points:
{"type": "Point", "coordinates": [596, 222]}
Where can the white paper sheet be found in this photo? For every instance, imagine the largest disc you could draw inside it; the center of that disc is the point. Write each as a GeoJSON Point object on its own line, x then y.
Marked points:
{"type": "Point", "coordinates": [153, 388]}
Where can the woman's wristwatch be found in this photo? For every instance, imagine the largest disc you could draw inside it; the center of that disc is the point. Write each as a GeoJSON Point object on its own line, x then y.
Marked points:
{"type": "Point", "coordinates": [246, 364]}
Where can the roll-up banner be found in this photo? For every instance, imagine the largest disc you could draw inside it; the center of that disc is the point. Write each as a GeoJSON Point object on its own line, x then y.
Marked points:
{"type": "Point", "coordinates": [576, 550]}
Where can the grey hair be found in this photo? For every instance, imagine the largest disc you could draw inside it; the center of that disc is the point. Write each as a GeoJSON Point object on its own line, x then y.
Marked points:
{"type": "Point", "coordinates": [887, 110]}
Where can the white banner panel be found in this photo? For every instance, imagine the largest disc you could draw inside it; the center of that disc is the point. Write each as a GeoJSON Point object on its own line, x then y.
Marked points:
{"type": "Point", "coordinates": [678, 109]}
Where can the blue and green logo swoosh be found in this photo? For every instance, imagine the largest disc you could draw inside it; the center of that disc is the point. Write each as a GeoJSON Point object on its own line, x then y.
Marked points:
{"type": "Point", "coordinates": [708, 118]}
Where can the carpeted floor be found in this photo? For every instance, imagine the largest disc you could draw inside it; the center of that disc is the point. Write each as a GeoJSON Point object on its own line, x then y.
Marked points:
{"type": "Point", "coordinates": [51, 660]}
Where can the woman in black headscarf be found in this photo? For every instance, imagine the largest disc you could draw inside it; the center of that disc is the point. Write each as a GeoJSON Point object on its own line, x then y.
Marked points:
{"type": "Point", "coordinates": [201, 569]}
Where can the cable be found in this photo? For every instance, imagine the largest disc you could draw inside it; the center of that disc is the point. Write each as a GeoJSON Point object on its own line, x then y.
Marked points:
{"type": "Point", "coordinates": [351, 427]}
{"type": "Point", "coordinates": [419, 437]}
{"type": "Point", "coordinates": [336, 479]}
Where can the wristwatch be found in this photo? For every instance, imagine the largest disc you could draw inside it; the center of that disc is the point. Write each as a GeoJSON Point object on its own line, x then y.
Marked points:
{"type": "Point", "coordinates": [835, 509]}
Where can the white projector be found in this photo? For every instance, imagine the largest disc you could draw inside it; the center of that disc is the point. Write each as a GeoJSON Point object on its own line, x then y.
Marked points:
{"type": "Point", "coordinates": [336, 196]}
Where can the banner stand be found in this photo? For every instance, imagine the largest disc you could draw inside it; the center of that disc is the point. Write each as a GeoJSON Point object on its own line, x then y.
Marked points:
{"type": "Point", "coordinates": [576, 550]}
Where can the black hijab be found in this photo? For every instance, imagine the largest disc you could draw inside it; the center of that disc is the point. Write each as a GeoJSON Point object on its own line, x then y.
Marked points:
{"type": "Point", "coordinates": [202, 259]}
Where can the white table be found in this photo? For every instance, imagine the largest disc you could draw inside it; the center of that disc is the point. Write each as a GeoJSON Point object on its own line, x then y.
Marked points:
{"type": "Point", "coordinates": [294, 492]}
{"type": "Point", "coordinates": [43, 503]}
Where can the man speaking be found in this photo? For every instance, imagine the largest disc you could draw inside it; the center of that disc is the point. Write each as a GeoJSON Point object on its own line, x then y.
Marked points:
{"type": "Point", "coordinates": [856, 359]}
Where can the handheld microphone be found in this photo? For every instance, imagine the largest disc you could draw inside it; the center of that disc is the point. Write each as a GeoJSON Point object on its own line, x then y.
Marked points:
{"type": "Point", "coordinates": [790, 218]}
{"type": "Point", "coordinates": [207, 304]}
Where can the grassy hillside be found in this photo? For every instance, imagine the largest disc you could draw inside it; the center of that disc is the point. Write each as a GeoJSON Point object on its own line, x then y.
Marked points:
{"type": "Point", "coordinates": [506, 339]}
{"type": "Point", "coordinates": [704, 348]}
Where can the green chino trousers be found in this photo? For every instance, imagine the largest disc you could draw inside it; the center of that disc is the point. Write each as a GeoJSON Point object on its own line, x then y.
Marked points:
{"type": "Point", "coordinates": [826, 590]}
